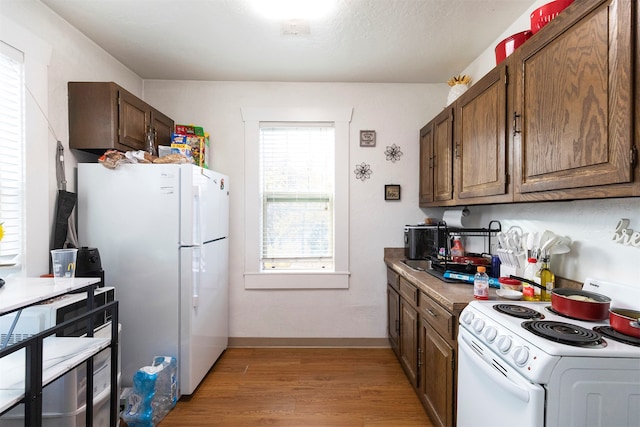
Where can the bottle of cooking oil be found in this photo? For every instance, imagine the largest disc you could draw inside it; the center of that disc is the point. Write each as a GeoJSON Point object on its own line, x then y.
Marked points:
{"type": "Point", "coordinates": [547, 279]}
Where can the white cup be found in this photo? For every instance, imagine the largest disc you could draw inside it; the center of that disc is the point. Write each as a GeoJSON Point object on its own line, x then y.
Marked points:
{"type": "Point", "coordinates": [64, 264]}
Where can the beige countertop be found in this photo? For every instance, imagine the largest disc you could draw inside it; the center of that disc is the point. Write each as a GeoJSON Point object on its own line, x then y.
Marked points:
{"type": "Point", "coordinates": [452, 296]}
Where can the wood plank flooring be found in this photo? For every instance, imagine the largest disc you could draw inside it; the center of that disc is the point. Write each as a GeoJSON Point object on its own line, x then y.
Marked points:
{"type": "Point", "coordinates": [302, 387]}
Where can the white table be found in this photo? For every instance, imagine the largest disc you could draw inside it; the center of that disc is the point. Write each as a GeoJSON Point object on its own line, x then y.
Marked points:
{"type": "Point", "coordinates": [57, 355]}
{"type": "Point", "coordinates": [20, 292]}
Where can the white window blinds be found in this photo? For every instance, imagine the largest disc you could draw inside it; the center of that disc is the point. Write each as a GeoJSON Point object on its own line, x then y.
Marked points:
{"type": "Point", "coordinates": [297, 181]}
{"type": "Point", "coordinates": [11, 151]}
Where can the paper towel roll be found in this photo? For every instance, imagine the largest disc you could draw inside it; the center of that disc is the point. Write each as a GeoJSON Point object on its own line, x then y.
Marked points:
{"type": "Point", "coordinates": [455, 217]}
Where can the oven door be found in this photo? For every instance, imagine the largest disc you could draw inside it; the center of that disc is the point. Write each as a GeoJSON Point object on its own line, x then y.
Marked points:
{"type": "Point", "coordinates": [491, 393]}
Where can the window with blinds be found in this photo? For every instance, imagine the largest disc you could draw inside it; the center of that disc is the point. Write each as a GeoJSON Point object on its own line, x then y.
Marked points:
{"type": "Point", "coordinates": [11, 151]}
{"type": "Point", "coordinates": [297, 182]}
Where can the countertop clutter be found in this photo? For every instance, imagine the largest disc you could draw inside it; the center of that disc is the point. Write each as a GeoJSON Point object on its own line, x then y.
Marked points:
{"type": "Point", "coordinates": [452, 296]}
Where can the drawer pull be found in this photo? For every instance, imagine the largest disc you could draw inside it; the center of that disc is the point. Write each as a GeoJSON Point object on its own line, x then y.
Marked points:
{"type": "Point", "coordinates": [431, 312]}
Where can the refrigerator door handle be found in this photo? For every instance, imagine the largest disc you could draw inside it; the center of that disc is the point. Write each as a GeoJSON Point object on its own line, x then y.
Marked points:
{"type": "Point", "coordinates": [198, 231]}
{"type": "Point", "coordinates": [196, 268]}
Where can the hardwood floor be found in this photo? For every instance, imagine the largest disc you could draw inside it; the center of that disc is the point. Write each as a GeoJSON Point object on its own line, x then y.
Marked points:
{"type": "Point", "coordinates": [302, 387]}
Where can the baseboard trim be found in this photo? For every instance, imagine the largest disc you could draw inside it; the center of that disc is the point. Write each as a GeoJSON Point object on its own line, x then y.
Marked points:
{"type": "Point", "coordinates": [308, 342]}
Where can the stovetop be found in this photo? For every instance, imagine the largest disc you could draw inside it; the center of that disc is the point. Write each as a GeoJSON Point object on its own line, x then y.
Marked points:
{"type": "Point", "coordinates": [482, 320]}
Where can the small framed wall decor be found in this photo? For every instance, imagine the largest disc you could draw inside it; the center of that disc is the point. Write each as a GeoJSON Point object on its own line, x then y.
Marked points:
{"type": "Point", "coordinates": [367, 138]}
{"type": "Point", "coordinates": [392, 192]}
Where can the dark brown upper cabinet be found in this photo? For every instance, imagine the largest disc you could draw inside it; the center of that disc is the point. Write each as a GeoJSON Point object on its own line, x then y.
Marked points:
{"type": "Point", "coordinates": [574, 105]}
{"type": "Point", "coordinates": [104, 116]}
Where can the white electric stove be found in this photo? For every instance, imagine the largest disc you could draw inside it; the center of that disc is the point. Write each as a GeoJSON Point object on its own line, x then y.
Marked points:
{"type": "Point", "coordinates": [510, 373]}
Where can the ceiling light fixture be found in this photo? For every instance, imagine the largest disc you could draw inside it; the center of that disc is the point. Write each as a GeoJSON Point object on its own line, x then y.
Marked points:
{"type": "Point", "coordinates": [294, 9]}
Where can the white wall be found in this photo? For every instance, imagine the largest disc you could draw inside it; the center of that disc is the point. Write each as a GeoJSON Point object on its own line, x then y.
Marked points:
{"type": "Point", "coordinates": [396, 113]}
{"type": "Point", "coordinates": [72, 57]}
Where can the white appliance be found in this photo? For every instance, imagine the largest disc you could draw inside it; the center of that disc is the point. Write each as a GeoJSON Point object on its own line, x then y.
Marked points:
{"type": "Point", "coordinates": [509, 375]}
{"type": "Point", "coordinates": [64, 400]}
{"type": "Point", "coordinates": [162, 231]}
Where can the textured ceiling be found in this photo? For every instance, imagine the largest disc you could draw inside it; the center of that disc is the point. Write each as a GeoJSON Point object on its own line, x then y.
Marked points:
{"type": "Point", "coordinates": [392, 41]}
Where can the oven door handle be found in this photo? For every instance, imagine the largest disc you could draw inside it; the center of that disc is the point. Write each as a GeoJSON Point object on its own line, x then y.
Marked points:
{"type": "Point", "coordinates": [496, 376]}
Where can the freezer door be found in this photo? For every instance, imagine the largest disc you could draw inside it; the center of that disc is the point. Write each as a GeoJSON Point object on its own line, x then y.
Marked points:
{"type": "Point", "coordinates": [204, 205]}
{"type": "Point", "coordinates": [204, 310]}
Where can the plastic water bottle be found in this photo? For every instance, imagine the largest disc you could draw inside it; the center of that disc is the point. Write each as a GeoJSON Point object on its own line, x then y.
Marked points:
{"type": "Point", "coordinates": [154, 393]}
{"type": "Point", "coordinates": [481, 284]}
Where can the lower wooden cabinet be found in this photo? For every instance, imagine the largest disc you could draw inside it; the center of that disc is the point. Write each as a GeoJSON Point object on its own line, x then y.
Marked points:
{"type": "Point", "coordinates": [436, 373]}
{"type": "Point", "coordinates": [393, 319]}
{"type": "Point", "coordinates": [422, 333]}
{"type": "Point", "coordinates": [408, 340]}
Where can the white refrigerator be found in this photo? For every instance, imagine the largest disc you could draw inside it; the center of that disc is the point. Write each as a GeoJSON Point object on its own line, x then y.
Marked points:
{"type": "Point", "coordinates": [162, 234]}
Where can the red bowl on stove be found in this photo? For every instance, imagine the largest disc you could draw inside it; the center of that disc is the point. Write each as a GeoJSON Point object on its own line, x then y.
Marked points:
{"type": "Point", "coordinates": [545, 13]}
{"type": "Point", "coordinates": [507, 46]}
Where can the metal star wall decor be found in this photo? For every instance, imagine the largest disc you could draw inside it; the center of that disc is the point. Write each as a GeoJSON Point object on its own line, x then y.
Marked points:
{"type": "Point", "coordinates": [393, 153]}
{"type": "Point", "coordinates": [363, 171]}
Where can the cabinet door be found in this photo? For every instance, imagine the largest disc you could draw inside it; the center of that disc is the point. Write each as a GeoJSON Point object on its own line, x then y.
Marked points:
{"type": "Point", "coordinates": [481, 139]}
{"type": "Point", "coordinates": [436, 376]}
{"type": "Point", "coordinates": [134, 115]}
{"type": "Point", "coordinates": [573, 107]}
{"type": "Point", "coordinates": [393, 318]}
{"type": "Point", "coordinates": [443, 156]}
{"type": "Point", "coordinates": [162, 127]}
{"type": "Point", "coordinates": [409, 341]}
{"type": "Point", "coordinates": [426, 164]}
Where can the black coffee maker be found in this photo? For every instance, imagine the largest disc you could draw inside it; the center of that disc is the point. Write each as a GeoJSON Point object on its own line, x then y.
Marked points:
{"type": "Point", "coordinates": [88, 264]}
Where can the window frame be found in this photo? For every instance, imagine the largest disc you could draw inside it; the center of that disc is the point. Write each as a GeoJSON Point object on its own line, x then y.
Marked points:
{"type": "Point", "coordinates": [254, 276]}
{"type": "Point", "coordinates": [285, 197]}
{"type": "Point", "coordinates": [39, 148]}
{"type": "Point", "coordinates": [13, 226]}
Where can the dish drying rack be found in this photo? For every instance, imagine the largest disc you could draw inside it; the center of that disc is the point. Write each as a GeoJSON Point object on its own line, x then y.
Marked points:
{"type": "Point", "coordinates": [440, 255]}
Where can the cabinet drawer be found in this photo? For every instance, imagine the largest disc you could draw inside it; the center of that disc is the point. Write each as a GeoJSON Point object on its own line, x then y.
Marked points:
{"type": "Point", "coordinates": [408, 291]}
{"type": "Point", "coordinates": [393, 279]}
{"type": "Point", "coordinates": [440, 319]}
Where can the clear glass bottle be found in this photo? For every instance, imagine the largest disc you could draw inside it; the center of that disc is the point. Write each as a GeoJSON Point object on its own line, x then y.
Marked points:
{"type": "Point", "coordinates": [481, 284]}
{"type": "Point", "coordinates": [150, 139]}
{"type": "Point", "coordinates": [530, 292]}
{"type": "Point", "coordinates": [547, 279]}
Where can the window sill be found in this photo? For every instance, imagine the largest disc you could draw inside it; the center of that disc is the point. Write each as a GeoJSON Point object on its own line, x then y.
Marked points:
{"type": "Point", "coordinates": [296, 280]}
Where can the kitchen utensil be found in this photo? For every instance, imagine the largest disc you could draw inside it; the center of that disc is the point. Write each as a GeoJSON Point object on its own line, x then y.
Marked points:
{"type": "Point", "coordinates": [532, 238]}
{"type": "Point", "coordinates": [544, 237]}
{"type": "Point", "coordinates": [579, 304]}
{"type": "Point", "coordinates": [625, 321]}
{"type": "Point", "coordinates": [531, 282]}
{"type": "Point", "coordinates": [559, 249]}
{"type": "Point", "coordinates": [545, 14]}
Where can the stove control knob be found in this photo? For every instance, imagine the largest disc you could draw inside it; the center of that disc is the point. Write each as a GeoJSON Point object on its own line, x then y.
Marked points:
{"type": "Point", "coordinates": [478, 325]}
{"type": "Point", "coordinates": [467, 317]}
{"type": "Point", "coordinates": [504, 343]}
{"type": "Point", "coordinates": [490, 333]}
{"type": "Point", "coordinates": [521, 355]}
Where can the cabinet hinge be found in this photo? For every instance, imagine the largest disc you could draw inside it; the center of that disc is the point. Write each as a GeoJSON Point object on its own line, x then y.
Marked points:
{"type": "Point", "coordinates": [506, 78]}
{"type": "Point", "coordinates": [634, 156]}
{"type": "Point", "coordinates": [507, 179]}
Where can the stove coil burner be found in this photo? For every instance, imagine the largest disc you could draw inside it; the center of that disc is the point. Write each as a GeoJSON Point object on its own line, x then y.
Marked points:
{"type": "Point", "coordinates": [565, 333]}
{"type": "Point", "coordinates": [518, 311]}
{"type": "Point", "coordinates": [609, 332]}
